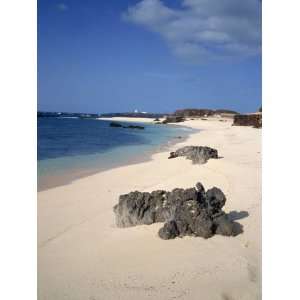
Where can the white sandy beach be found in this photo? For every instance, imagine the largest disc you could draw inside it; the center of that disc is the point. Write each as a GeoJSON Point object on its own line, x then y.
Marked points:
{"type": "Point", "coordinates": [82, 255]}
{"type": "Point", "coordinates": [124, 119]}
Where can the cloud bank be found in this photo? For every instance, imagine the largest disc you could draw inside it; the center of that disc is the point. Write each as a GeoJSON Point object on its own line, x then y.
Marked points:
{"type": "Point", "coordinates": [202, 30]}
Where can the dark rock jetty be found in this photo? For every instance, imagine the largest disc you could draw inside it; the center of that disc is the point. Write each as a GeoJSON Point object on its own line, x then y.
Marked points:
{"type": "Point", "coordinates": [197, 154]}
{"type": "Point", "coordinates": [114, 124]}
{"type": "Point", "coordinates": [192, 212]}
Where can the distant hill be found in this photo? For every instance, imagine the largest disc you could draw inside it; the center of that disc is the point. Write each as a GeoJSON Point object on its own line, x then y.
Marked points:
{"type": "Point", "coordinates": [254, 120]}
{"type": "Point", "coordinates": [195, 112]}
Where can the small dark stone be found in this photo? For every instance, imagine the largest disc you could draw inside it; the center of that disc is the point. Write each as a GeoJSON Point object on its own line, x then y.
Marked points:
{"type": "Point", "coordinates": [224, 226]}
{"type": "Point", "coordinates": [215, 200]}
{"type": "Point", "coordinates": [203, 225]}
{"type": "Point", "coordinates": [200, 187]}
{"type": "Point", "coordinates": [168, 231]}
{"type": "Point", "coordinates": [172, 155]}
{"type": "Point", "coordinates": [197, 154]}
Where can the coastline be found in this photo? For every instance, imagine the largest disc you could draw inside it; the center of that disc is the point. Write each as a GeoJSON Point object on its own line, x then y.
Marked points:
{"type": "Point", "coordinates": [82, 255]}
{"type": "Point", "coordinates": [48, 182]}
{"type": "Point", "coordinates": [128, 119]}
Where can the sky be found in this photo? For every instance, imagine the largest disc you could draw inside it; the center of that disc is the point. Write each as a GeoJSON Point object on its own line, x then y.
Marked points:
{"type": "Point", "coordinates": [151, 55]}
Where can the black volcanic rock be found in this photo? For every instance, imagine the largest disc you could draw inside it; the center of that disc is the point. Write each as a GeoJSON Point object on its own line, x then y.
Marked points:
{"type": "Point", "coordinates": [191, 112]}
{"type": "Point", "coordinates": [254, 120]}
{"type": "Point", "coordinates": [194, 112]}
{"type": "Point", "coordinates": [189, 211]}
{"type": "Point", "coordinates": [173, 119]}
{"type": "Point", "coordinates": [197, 154]}
{"type": "Point", "coordinates": [134, 127]}
{"type": "Point", "coordinates": [223, 225]}
{"type": "Point", "coordinates": [168, 231]}
{"type": "Point", "coordinates": [114, 124]}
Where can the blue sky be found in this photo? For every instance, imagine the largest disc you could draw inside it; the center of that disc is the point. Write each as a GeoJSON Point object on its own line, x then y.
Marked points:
{"type": "Point", "coordinates": [156, 56]}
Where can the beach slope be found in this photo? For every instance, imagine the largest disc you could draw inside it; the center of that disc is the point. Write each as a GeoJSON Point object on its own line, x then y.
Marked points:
{"type": "Point", "coordinates": [83, 255]}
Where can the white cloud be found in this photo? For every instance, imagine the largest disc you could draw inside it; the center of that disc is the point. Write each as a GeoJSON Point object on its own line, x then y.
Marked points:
{"type": "Point", "coordinates": [203, 29]}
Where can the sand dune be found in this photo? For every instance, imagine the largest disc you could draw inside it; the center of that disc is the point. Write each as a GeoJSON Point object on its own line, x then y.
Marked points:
{"type": "Point", "coordinates": [83, 255]}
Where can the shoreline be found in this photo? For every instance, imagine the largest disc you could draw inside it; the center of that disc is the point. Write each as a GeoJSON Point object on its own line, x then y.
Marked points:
{"type": "Point", "coordinates": [128, 119]}
{"type": "Point", "coordinates": [83, 255]}
{"type": "Point", "coordinates": [66, 178]}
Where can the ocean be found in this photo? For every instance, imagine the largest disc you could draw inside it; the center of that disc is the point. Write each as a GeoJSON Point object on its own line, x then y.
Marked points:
{"type": "Point", "coordinates": [69, 148]}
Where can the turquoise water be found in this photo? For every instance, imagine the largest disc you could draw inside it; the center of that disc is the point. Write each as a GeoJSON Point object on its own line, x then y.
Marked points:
{"type": "Point", "coordinates": [70, 148]}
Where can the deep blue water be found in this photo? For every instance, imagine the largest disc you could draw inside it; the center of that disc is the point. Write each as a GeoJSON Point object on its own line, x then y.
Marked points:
{"type": "Point", "coordinates": [69, 145]}
{"type": "Point", "coordinates": [69, 137]}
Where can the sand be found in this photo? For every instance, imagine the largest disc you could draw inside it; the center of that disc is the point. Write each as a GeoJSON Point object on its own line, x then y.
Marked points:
{"type": "Point", "coordinates": [126, 119]}
{"type": "Point", "coordinates": [83, 255]}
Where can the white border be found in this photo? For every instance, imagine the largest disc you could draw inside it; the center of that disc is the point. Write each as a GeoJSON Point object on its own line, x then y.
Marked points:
{"type": "Point", "coordinates": [18, 149]}
{"type": "Point", "coordinates": [281, 97]}
{"type": "Point", "coordinates": [281, 180]}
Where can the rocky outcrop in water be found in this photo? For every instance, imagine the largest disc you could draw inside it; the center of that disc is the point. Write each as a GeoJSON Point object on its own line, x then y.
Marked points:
{"type": "Point", "coordinates": [134, 127]}
{"type": "Point", "coordinates": [114, 124]}
{"type": "Point", "coordinates": [191, 211]}
{"type": "Point", "coordinates": [254, 120]}
{"type": "Point", "coordinates": [197, 154]}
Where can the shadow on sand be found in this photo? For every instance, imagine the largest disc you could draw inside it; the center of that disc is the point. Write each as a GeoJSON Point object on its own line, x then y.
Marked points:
{"type": "Point", "coordinates": [237, 215]}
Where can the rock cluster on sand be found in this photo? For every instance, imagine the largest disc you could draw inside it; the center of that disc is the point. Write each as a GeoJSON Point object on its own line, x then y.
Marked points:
{"type": "Point", "coordinates": [254, 120]}
{"type": "Point", "coordinates": [202, 112]}
{"type": "Point", "coordinates": [114, 124]}
{"type": "Point", "coordinates": [173, 119]}
{"type": "Point", "coordinates": [197, 154]}
{"type": "Point", "coordinates": [191, 211]}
